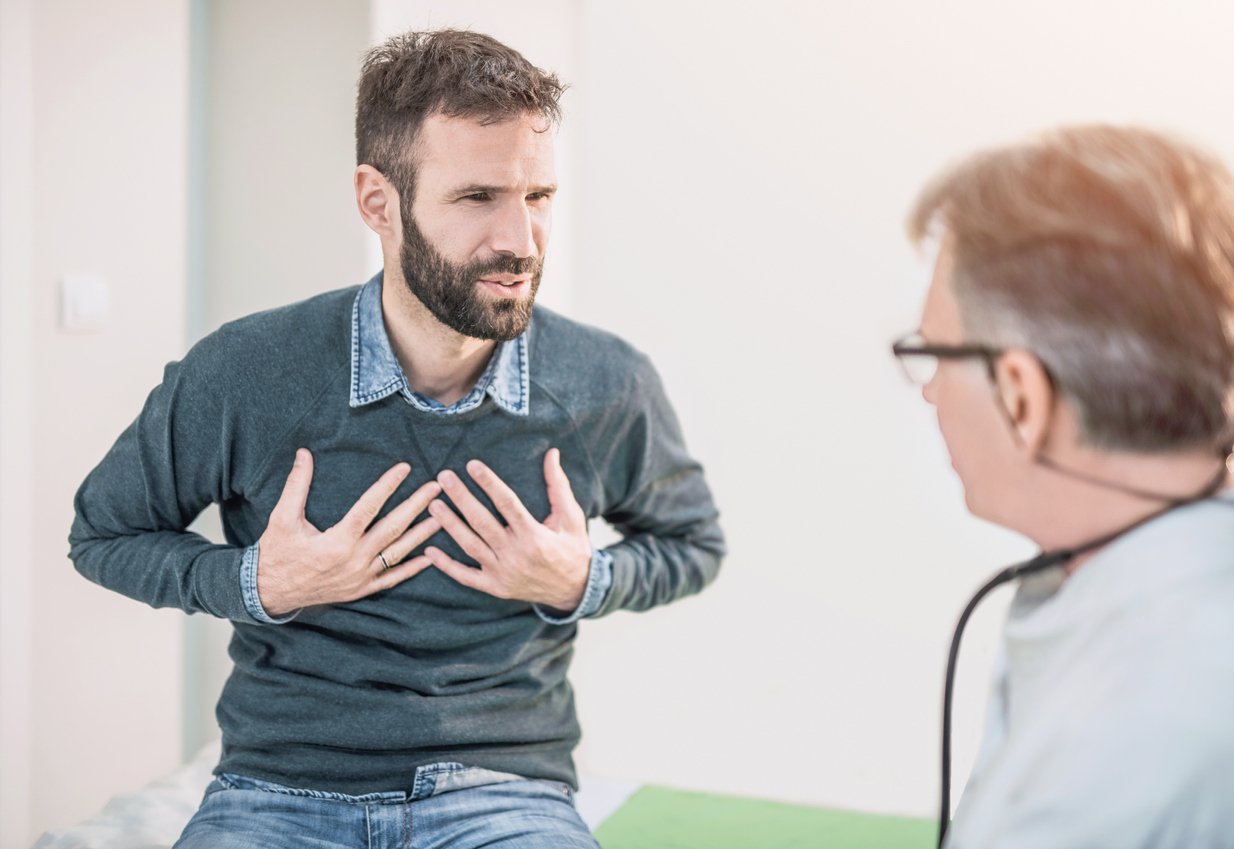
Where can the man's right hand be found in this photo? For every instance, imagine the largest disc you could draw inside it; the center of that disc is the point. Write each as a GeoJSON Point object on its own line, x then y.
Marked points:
{"type": "Point", "coordinates": [299, 565]}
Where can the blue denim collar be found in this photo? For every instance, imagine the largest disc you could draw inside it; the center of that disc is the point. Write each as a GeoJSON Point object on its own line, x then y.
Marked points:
{"type": "Point", "coordinates": [376, 373]}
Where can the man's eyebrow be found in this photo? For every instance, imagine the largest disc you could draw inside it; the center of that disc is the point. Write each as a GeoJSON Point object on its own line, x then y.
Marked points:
{"type": "Point", "coordinates": [497, 190]}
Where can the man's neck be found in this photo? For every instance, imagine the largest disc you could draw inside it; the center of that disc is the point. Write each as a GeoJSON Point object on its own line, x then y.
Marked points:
{"type": "Point", "coordinates": [439, 363]}
{"type": "Point", "coordinates": [1077, 510]}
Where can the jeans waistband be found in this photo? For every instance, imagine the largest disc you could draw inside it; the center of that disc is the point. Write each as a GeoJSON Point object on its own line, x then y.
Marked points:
{"type": "Point", "coordinates": [430, 780]}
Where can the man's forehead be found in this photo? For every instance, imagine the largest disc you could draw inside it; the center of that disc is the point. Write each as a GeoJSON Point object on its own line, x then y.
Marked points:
{"type": "Point", "coordinates": [468, 149]}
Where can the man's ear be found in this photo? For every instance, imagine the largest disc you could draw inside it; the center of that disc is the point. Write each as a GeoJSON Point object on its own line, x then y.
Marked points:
{"type": "Point", "coordinates": [1027, 395]}
{"type": "Point", "coordinates": [378, 203]}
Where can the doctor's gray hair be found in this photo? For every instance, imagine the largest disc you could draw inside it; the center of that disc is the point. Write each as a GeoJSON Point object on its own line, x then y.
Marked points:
{"type": "Point", "coordinates": [456, 73]}
{"type": "Point", "coordinates": [1109, 254]}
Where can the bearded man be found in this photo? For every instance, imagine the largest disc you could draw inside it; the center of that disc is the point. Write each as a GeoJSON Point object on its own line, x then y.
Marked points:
{"type": "Point", "coordinates": [400, 679]}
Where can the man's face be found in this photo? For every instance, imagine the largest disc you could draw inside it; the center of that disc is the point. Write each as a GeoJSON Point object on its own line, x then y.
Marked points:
{"type": "Point", "coordinates": [475, 233]}
{"type": "Point", "coordinates": [965, 401]}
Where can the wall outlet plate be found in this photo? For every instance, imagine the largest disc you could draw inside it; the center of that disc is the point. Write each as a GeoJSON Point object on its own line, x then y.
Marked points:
{"type": "Point", "coordinates": [83, 303]}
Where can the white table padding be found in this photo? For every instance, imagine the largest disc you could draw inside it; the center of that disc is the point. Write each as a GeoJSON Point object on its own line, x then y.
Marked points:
{"type": "Point", "coordinates": [150, 818]}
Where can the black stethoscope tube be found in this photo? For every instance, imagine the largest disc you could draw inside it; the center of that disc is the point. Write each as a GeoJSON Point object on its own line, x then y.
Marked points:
{"type": "Point", "coordinates": [1042, 561]}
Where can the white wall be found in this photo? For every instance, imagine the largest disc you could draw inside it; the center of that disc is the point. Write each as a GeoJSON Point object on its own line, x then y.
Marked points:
{"type": "Point", "coordinates": [99, 189]}
{"type": "Point", "coordinates": [744, 173]}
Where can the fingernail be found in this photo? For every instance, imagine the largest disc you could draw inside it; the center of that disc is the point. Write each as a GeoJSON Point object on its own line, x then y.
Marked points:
{"type": "Point", "coordinates": [447, 478]}
{"type": "Point", "coordinates": [436, 507]}
{"type": "Point", "coordinates": [476, 468]}
{"type": "Point", "coordinates": [404, 469]}
{"type": "Point", "coordinates": [300, 456]}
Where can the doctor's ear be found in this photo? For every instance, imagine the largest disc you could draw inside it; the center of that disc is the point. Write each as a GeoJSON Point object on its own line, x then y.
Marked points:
{"type": "Point", "coordinates": [1027, 394]}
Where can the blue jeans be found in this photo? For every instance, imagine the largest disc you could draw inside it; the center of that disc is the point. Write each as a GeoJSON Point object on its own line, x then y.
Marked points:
{"type": "Point", "coordinates": [245, 813]}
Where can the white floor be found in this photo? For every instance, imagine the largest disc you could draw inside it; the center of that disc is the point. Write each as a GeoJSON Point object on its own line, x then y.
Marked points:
{"type": "Point", "coordinates": [153, 817]}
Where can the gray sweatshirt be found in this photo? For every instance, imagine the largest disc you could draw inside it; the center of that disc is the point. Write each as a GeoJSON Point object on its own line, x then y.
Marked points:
{"type": "Point", "coordinates": [352, 698]}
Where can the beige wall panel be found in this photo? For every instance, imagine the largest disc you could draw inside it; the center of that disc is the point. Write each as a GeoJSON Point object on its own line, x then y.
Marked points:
{"type": "Point", "coordinates": [281, 220]}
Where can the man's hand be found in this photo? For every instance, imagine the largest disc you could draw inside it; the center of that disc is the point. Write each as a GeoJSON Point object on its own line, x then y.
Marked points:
{"type": "Point", "coordinates": [299, 565]}
{"type": "Point", "coordinates": [540, 563]}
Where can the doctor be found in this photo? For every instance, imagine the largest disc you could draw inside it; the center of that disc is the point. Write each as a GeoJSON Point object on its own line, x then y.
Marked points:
{"type": "Point", "coordinates": [1077, 344]}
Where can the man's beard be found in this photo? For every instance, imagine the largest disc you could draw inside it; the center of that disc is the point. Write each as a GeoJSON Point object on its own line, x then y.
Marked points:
{"type": "Point", "coordinates": [452, 292]}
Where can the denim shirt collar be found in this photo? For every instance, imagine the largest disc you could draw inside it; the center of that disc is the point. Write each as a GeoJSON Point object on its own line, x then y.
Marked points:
{"type": "Point", "coordinates": [376, 373]}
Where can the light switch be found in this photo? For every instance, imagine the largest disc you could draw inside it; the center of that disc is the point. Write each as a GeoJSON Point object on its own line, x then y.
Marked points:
{"type": "Point", "coordinates": [83, 303]}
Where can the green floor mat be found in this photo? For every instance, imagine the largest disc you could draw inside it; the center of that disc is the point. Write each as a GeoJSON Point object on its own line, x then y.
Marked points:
{"type": "Point", "coordinates": [657, 818]}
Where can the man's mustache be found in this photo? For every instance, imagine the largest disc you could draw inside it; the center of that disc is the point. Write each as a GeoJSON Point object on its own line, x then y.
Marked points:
{"type": "Point", "coordinates": [532, 265]}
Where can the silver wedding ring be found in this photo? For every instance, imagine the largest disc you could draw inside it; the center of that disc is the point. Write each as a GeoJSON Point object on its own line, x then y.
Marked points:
{"type": "Point", "coordinates": [384, 564]}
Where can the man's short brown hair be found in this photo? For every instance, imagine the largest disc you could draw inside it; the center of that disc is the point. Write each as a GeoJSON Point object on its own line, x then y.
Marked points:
{"type": "Point", "coordinates": [1109, 254]}
{"type": "Point", "coordinates": [451, 72]}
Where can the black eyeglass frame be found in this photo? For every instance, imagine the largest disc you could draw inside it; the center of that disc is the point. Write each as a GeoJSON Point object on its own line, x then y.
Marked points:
{"type": "Point", "coordinates": [901, 349]}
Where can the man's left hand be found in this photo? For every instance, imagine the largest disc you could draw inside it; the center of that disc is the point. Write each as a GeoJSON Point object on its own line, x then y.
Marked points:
{"type": "Point", "coordinates": [524, 559]}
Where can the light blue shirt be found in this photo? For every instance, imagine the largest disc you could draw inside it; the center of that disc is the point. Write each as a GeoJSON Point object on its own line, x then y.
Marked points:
{"type": "Point", "coordinates": [1111, 721]}
{"type": "Point", "coordinates": [376, 374]}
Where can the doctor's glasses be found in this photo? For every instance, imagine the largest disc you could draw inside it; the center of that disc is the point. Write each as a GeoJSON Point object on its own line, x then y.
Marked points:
{"type": "Point", "coordinates": [919, 360]}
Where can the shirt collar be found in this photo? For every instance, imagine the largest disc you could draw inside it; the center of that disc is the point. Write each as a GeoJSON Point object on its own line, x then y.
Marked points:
{"type": "Point", "coordinates": [376, 373]}
{"type": "Point", "coordinates": [1155, 558]}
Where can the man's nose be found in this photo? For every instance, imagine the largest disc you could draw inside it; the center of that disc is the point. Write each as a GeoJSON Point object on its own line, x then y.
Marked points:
{"type": "Point", "coordinates": [515, 231]}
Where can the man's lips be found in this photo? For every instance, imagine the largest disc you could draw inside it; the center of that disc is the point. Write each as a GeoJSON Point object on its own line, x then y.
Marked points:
{"type": "Point", "coordinates": [507, 285]}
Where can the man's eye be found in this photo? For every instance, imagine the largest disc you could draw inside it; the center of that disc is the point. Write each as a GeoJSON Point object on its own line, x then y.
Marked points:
{"type": "Point", "coordinates": [477, 196]}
